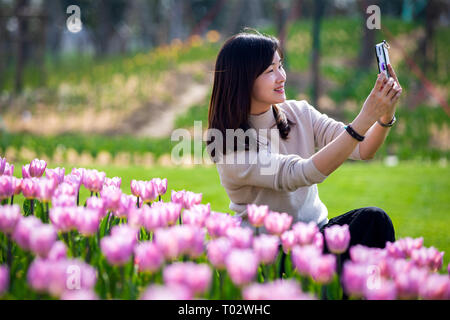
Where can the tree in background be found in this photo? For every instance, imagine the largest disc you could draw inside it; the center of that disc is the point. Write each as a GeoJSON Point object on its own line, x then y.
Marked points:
{"type": "Point", "coordinates": [319, 8]}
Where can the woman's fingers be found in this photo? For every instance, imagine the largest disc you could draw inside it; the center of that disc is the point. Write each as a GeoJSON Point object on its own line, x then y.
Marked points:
{"type": "Point", "coordinates": [395, 88]}
{"type": "Point", "coordinates": [396, 96]}
{"type": "Point", "coordinates": [392, 73]}
{"type": "Point", "coordinates": [380, 81]}
{"type": "Point", "coordinates": [387, 87]}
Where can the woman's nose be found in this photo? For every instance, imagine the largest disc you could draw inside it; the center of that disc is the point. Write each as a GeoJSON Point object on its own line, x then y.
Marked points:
{"type": "Point", "coordinates": [281, 77]}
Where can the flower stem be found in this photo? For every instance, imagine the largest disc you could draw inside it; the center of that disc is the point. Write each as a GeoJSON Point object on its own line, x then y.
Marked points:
{"type": "Point", "coordinates": [32, 206]}
{"type": "Point", "coordinates": [47, 215]}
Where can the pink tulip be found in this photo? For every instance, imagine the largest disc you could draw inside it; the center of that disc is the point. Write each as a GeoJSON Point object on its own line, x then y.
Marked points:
{"type": "Point", "coordinates": [148, 257]}
{"type": "Point", "coordinates": [9, 217]}
{"type": "Point", "coordinates": [45, 189]}
{"type": "Point", "coordinates": [302, 257]}
{"type": "Point", "coordinates": [178, 240]}
{"type": "Point", "coordinates": [276, 290]}
{"type": "Point", "coordinates": [79, 172]}
{"type": "Point", "coordinates": [168, 292]}
{"type": "Point", "coordinates": [169, 212]}
{"type": "Point", "coordinates": [381, 290]}
{"type": "Point", "coordinates": [277, 223]}
{"type": "Point", "coordinates": [288, 240]}
{"type": "Point", "coordinates": [42, 240]}
{"type": "Point", "coordinates": [337, 238]}
{"type": "Point", "coordinates": [63, 218]}
{"type": "Point", "coordinates": [135, 218]}
{"type": "Point", "coordinates": [191, 199]}
{"type": "Point", "coordinates": [65, 188]}
{"type": "Point", "coordinates": [402, 248]}
{"type": "Point", "coordinates": [396, 266]}
{"type": "Point", "coordinates": [58, 251]}
{"type": "Point", "coordinates": [17, 185]}
{"type": "Point", "coordinates": [23, 230]}
{"type": "Point", "coordinates": [111, 195]}
{"type": "Point", "coordinates": [4, 279]}
{"type": "Point", "coordinates": [305, 232]}
{"type": "Point", "coordinates": [354, 278]}
{"type": "Point", "coordinates": [151, 218]}
{"type": "Point", "coordinates": [218, 223]}
{"type": "Point", "coordinates": [196, 277]}
{"type": "Point", "coordinates": [58, 277]}
{"type": "Point", "coordinates": [217, 251]}
{"type": "Point", "coordinates": [197, 215]}
{"type": "Point", "coordinates": [147, 191]}
{"type": "Point", "coordinates": [117, 250]}
{"type": "Point", "coordinates": [93, 180]}
{"type": "Point", "coordinates": [323, 268]}
{"type": "Point", "coordinates": [429, 257]}
{"type": "Point", "coordinates": [126, 204]}
{"type": "Point", "coordinates": [169, 246]}
{"type": "Point", "coordinates": [64, 200]}
{"type": "Point", "coordinates": [242, 266]}
{"type": "Point", "coordinates": [29, 188]}
{"type": "Point", "coordinates": [177, 197]}
{"type": "Point", "coordinates": [435, 287]}
{"type": "Point", "coordinates": [192, 239]}
{"type": "Point", "coordinates": [160, 185]}
{"type": "Point", "coordinates": [257, 214]}
{"type": "Point", "coordinates": [240, 237]}
{"type": "Point", "coordinates": [26, 171]}
{"type": "Point", "coordinates": [266, 248]}
{"type": "Point", "coordinates": [87, 221]}
{"type": "Point", "coordinates": [409, 283]}
{"type": "Point", "coordinates": [73, 180]}
{"type": "Point", "coordinates": [135, 188]}
{"type": "Point", "coordinates": [318, 241]}
{"type": "Point", "coordinates": [6, 187]}
{"type": "Point", "coordinates": [9, 169]}
{"type": "Point", "coordinates": [97, 204]}
{"type": "Point", "coordinates": [57, 174]}
{"type": "Point", "coordinates": [79, 295]}
{"type": "Point", "coordinates": [363, 254]}
{"type": "Point", "coordinates": [37, 168]}
{"type": "Point", "coordinates": [2, 165]}
{"type": "Point", "coordinates": [126, 232]}
{"type": "Point", "coordinates": [113, 182]}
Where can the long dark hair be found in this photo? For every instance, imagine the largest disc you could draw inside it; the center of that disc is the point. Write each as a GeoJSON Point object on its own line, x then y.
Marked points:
{"type": "Point", "coordinates": [242, 58]}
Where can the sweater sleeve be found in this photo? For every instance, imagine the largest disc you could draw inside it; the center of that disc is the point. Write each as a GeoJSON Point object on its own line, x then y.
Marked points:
{"type": "Point", "coordinates": [270, 170]}
{"type": "Point", "coordinates": [327, 129]}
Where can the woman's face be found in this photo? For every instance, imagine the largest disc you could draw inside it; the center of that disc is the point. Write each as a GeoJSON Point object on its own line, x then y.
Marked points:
{"type": "Point", "coordinates": [269, 87]}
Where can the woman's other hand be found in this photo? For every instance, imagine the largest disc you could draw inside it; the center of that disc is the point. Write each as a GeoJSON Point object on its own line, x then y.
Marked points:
{"type": "Point", "coordinates": [382, 99]}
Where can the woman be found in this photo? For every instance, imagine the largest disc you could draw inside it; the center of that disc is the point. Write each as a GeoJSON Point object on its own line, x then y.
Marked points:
{"type": "Point", "coordinates": [248, 96]}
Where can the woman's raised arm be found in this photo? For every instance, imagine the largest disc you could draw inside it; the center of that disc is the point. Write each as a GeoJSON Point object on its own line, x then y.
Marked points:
{"type": "Point", "coordinates": [380, 101]}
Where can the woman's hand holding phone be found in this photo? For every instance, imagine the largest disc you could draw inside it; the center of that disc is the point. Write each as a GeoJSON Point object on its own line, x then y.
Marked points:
{"type": "Point", "coordinates": [380, 104]}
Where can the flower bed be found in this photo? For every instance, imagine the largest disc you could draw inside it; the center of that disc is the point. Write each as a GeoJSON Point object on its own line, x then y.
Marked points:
{"type": "Point", "coordinates": [135, 246]}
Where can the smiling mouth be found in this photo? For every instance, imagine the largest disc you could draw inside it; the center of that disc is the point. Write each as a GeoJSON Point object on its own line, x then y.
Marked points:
{"type": "Point", "coordinates": [280, 90]}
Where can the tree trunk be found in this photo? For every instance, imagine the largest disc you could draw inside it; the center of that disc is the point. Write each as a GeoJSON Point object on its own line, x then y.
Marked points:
{"type": "Point", "coordinates": [21, 45]}
{"type": "Point", "coordinates": [319, 7]}
{"type": "Point", "coordinates": [367, 51]}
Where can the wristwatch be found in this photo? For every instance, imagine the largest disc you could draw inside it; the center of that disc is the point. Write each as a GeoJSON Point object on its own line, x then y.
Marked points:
{"type": "Point", "coordinates": [387, 125]}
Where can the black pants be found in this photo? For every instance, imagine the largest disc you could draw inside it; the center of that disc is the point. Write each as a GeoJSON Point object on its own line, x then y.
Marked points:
{"type": "Point", "coordinates": [369, 226]}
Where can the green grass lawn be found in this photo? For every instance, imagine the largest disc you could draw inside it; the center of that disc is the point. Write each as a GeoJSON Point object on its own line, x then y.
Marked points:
{"type": "Point", "coordinates": [415, 195]}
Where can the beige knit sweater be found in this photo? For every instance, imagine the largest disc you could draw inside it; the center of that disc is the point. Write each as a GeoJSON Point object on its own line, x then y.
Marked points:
{"type": "Point", "coordinates": [282, 175]}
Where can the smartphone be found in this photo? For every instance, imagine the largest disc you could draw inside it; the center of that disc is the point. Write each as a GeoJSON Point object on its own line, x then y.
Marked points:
{"type": "Point", "coordinates": [382, 54]}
